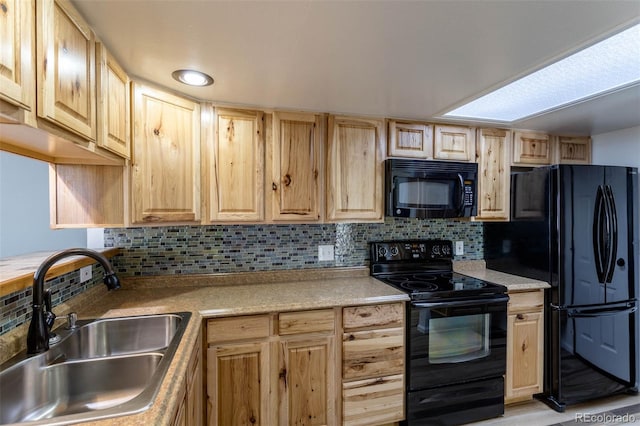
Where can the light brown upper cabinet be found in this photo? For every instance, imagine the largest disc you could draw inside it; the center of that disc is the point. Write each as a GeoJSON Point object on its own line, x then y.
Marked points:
{"type": "Point", "coordinates": [355, 155]}
{"type": "Point", "coordinates": [165, 170]}
{"type": "Point", "coordinates": [65, 68]}
{"type": "Point", "coordinates": [294, 162]}
{"type": "Point", "coordinates": [408, 139]}
{"type": "Point", "coordinates": [114, 92]}
{"type": "Point", "coordinates": [531, 148]}
{"type": "Point", "coordinates": [572, 150]}
{"type": "Point", "coordinates": [236, 174]}
{"type": "Point", "coordinates": [453, 143]}
{"type": "Point", "coordinates": [17, 78]}
{"type": "Point", "coordinates": [492, 153]}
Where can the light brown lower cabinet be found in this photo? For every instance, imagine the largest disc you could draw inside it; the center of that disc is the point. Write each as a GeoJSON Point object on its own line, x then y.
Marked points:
{"type": "Point", "coordinates": [373, 364]}
{"type": "Point", "coordinates": [190, 412]}
{"type": "Point", "coordinates": [525, 345]}
{"type": "Point", "coordinates": [286, 369]}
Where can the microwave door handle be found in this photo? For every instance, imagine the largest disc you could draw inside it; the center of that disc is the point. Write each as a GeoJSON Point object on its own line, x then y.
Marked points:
{"type": "Point", "coordinates": [461, 193]}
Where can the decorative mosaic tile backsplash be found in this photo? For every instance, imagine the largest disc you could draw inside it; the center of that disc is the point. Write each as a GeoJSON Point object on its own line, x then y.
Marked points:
{"type": "Point", "coordinates": [242, 248]}
{"type": "Point", "coordinates": [15, 308]}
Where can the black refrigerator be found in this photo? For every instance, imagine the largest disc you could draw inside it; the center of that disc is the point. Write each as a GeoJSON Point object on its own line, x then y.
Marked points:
{"type": "Point", "coordinates": [576, 227]}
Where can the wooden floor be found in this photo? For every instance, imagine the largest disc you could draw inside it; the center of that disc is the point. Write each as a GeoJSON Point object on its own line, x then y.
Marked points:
{"type": "Point", "coordinates": [535, 413]}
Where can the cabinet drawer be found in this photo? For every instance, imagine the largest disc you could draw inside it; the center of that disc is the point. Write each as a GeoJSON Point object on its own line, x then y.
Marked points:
{"type": "Point", "coordinates": [237, 328]}
{"type": "Point", "coordinates": [373, 401]}
{"type": "Point", "coordinates": [526, 301]}
{"type": "Point", "coordinates": [372, 353]}
{"type": "Point", "coordinates": [306, 322]}
{"type": "Point", "coordinates": [387, 315]}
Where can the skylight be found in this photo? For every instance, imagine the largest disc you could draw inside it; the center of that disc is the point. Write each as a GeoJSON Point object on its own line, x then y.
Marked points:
{"type": "Point", "coordinates": [604, 67]}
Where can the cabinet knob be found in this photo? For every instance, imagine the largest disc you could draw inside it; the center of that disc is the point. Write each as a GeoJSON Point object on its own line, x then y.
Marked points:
{"type": "Point", "coordinates": [274, 186]}
{"type": "Point", "coordinates": [520, 316]}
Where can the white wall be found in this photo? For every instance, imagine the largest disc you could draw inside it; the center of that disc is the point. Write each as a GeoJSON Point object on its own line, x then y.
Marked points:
{"type": "Point", "coordinates": [619, 148]}
{"type": "Point", "coordinates": [24, 209]}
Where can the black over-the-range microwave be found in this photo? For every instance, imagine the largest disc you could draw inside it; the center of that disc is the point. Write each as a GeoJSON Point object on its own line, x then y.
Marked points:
{"type": "Point", "coordinates": [430, 189]}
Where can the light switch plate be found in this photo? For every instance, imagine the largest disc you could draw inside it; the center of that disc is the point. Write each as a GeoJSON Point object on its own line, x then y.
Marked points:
{"type": "Point", "coordinates": [85, 273]}
{"type": "Point", "coordinates": [325, 253]}
{"type": "Point", "coordinates": [459, 248]}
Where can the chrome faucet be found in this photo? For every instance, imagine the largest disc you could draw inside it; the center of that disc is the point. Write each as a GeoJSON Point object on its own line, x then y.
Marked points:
{"type": "Point", "coordinates": [43, 317]}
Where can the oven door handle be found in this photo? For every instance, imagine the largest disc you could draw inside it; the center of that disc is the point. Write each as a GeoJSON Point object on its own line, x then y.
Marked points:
{"type": "Point", "coordinates": [473, 302]}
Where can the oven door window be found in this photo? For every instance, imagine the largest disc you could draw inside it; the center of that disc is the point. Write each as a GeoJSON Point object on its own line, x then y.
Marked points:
{"type": "Point", "coordinates": [457, 339]}
{"type": "Point", "coordinates": [426, 193]}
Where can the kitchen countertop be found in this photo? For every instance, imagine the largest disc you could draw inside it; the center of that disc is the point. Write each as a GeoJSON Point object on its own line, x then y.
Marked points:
{"type": "Point", "coordinates": [514, 283]}
{"type": "Point", "coordinates": [213, 296]}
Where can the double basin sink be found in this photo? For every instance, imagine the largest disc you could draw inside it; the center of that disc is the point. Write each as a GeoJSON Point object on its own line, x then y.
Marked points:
{"type": "Point", "coordinates": [101, 368]}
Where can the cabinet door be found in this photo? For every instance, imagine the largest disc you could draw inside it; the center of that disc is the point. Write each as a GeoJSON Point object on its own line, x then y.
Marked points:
{"type": "Point", "coordinates": [531, 148]}
{"type": "Point", "coordinates": [237, 173]}
{"type": "Point", "coordinates": [294, 156]}
{"type": "Point", "coordinates": [17, 30]}
{"type": "Point", "coordinates": [114, 128]}
{"type": "Point", "coordinates": [410, 140]}
{"type": "Point", "coordinates": [165, 178]}
{"type": "Point", "coordinates": [238, 384]}
{"type": "Point", "coordinates": [453, 143]}
{"type": "Point", "coordinates": [493, 174]}
{"type": "Point", "coordinates": [573, 150]}
{"type": "Point", "coordinates": [355, 168]}
{"type": "Point", "coordinates": [306, 381]}
{"type": "Point", "coordinates": [194, 408]}
{"type": "Point", "coordinates": [525, 353]}
{"type": "Point", "coordinates": [65, 68]}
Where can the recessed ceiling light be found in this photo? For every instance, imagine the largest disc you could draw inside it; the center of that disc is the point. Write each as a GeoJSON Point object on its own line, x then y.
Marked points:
{"type": "Point", "coordinates": [604, 67]}
{"type": "Point", "coordinates": [192, 78]}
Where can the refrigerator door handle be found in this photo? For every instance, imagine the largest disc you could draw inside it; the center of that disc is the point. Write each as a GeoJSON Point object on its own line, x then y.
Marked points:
{"type": "Point", "coordinates": [602, 312]}
{"type": "Point", "coordinates": [612, 218]}
{"type": "Point", "coordinates": [599, 218]}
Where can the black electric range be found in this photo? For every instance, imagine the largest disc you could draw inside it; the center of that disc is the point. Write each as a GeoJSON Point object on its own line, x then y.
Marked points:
{"type": "Point", "coordinates": [455, 333]}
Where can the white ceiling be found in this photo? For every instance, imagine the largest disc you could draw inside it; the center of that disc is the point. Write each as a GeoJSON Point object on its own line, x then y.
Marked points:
{"type": "Point", "coordinates": [389, 58]}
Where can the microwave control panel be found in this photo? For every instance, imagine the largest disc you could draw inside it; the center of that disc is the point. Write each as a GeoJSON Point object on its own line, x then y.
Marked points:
{"type": "Point", "coordinates": [468, 192]}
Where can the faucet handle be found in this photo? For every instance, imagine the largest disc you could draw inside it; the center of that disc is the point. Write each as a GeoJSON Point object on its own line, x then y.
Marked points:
{"type": "Point", "coordinates": [72, 318]}
{"type": "Point", "coordinates": [49, 316]}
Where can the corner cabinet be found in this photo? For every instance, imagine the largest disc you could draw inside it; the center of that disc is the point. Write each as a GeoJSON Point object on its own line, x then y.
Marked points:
{"type": "Point", "coordinates": [294, 163]}
{"type": "Point", "coordinates": [65, 68]}
{"type": "Point", "coordinates": [236, 170]}
{"type": "Point", "coordinates": [525, 345]}
{"type": "Point", "coordinates": [355, 155]}
{"type": "Point", "coordinates": [190, 412]}
{"type": "Point", "coordinates": [492, 156]}
{"type": "Point", "coordinates": [165, 169]}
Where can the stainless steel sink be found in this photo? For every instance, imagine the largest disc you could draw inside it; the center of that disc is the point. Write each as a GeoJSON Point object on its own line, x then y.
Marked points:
{"type": "Point", "coordinates": [118, 336]}
{"type": "Point", "coordinates": [104, 368]}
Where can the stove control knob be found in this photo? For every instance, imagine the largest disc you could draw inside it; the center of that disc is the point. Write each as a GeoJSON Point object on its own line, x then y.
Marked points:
{"type": "Point", "coordinates": [382, 251]}
{"type": "Point", "coordinates": [435, 250]}
{"type": "Point", "coordinates": [394, 251]}
{"type": "Point", "coordinates": [446, 250]}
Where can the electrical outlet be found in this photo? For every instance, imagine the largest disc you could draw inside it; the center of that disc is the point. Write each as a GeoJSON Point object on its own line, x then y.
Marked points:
{"type": "Point", "coordinates": [85, 273]}
{"type": "Point", "coordinates": [325, 253]}
{"type": "Point", "coordinates": [459, 248]}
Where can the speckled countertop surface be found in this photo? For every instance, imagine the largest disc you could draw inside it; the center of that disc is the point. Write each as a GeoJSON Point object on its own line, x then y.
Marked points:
{"type": "Point", "coordinates": [210, 296]}
{"type": "Point", "coordinates": [477, 269]}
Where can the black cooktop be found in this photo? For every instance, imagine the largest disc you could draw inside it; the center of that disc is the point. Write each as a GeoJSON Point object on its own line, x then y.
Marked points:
{"type": "Point", "coordinates": [423, 269]}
